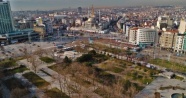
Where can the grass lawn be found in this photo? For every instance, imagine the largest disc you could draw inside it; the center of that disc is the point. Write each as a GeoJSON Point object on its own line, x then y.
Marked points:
{"type": "Point", "coordinates": [36, 80]}
{"type": "Point", "coordinates": [15, 70]}
{"type": "Point", "coordinates": [82, 82]}
{"type": "Point", "coordinates": [55, 93]}
{"type": "Point", "coordinates": [169, 64]}
{"type": "Point", "coordinates": [47, 59]}
{"type": "Point", "coordinates": [116, 70]}
{"type": "Point", "coordinates": [53, 67]}
{"type": "Point", "coordinates": [7, 64]}
{"type": "Point", "coordinates": [112, 66]}
{"type": "Point", "coordinates": [101, 92]}
{"type": "Point", "coordinates": [178, 77]}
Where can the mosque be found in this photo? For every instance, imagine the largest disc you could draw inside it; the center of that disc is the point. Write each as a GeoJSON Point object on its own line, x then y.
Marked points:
{"type": "Point", "coordinates": [91, 22]}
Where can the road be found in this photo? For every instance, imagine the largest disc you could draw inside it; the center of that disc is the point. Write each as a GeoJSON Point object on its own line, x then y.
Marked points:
{"type": "Point", "coordinates": [163, 54]}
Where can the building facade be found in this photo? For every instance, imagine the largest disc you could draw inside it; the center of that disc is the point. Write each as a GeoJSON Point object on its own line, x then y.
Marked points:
{"type": "Point", "coordinates": [146, 37]}
{"type": "Point", "coordinates": [41, 30]}
{"type": "Point", "coordinates": [6, 23]}
{"type": "Point", "coordinates": [179, 43]}
{"type": "Point", "coordinates": [143, 36]}
{"type": "Point", "coordinates": [184, 44]}
{"type": "Point", "coordinates": [132, 35]}
{"type": "Point", "coordinates": [48, 26]}
{"type": "Point", "coordinates": [167, 39]}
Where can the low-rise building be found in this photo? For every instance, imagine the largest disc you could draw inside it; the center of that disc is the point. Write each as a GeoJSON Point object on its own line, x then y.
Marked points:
{"type": "Point", "coordinates": [40, 29]}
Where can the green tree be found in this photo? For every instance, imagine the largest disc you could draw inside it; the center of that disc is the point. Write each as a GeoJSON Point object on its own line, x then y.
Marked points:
{"type": "Point", "coordinates": [67, 60]}
{"type": "Point", "coordinates": [85, 58]}
{"type": "Point", "coordinates": [92, 52]}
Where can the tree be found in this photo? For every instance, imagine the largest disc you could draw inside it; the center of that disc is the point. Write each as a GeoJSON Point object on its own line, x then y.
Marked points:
{"type": "Point", "coordinates": [18, 93]}
{"type": "Point", "coordinates": [92, 52]}
{"type": "Point", "coordinates": [85, 58]}
{"type": "Point", "coordinates": [40, 52]}
{"type": "Point", "coordinates": [67, 61]}
{"type": "Point", "coordinates": [33, 62]}
{"type": "Point", "coordinates": [25, 52]}
{"type": "Point", "coordinates": [118, 88]}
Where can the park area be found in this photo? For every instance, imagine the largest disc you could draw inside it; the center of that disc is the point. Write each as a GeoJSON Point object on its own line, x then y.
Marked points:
{"type": "Point", "coordinates": [36, 80]}
{"type": "Point", "coordinates": [169, 65]}
{"type": "Point", "coordinates": [55, 93]}
{"type": "Point", "coordinates": [109, 76]}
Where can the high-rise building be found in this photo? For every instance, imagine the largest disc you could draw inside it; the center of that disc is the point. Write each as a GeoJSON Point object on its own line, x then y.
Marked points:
{"type": "Point", "coordinates": [79, 10]}
{"type": "Point", "coordinates": [6, 24]}
{"type": "Point", "coordinates": [182, 26]}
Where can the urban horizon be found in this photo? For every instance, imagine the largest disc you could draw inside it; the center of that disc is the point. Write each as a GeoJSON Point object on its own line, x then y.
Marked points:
{"type": "Point", "coordinates": [92, 49]}
{"type": "Point", "coordinates": [21, 5]}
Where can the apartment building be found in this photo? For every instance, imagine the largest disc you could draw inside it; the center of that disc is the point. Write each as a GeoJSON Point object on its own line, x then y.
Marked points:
{"type": "Point", "coordinates": [168, 38]}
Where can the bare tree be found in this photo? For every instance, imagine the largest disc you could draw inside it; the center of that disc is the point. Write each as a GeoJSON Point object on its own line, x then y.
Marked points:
{"type": "Point", "coordinates": [25, 53]}
{"type": "Point", "coordinates": [132, 90]}
{"type": "Point", "coordinates": [62, 82]}
{"type": "Point", "coordinates": [2, 48]}
{"type": "Point", "coordinates": [118, 88]}
{"type": "Point", "coordinates": [18, 93]}
{"type": "Point", "coordinates": [33, 62]}
{"type": "Point", "coordinates": [40, 52]}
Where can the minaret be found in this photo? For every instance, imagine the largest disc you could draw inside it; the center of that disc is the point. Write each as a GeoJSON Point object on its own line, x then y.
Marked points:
{"type": "Point", "coordinates": [99, 15]}
{"type": "Point", "coordinates": [88, 12]}
{"type": "Point", "coordinates": [92, 13]}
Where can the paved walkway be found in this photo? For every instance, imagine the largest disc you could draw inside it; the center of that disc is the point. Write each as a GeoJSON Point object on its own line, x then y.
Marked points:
{"type": "Point", "coordinates": [149, 90]}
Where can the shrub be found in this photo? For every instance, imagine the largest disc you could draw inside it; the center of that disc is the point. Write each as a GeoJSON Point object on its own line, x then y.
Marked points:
{"type": "Point", "coordinates": [92, 52]}
{"type": "Point", "coordinates": [67, 60]}
{"type": "Point", "coordinates": [89, 64]}
{"type": "Point", "coordinates": [85, 58]}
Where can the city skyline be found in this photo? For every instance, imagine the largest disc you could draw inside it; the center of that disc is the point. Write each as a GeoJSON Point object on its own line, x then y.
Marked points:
{"type": "Point", "coordinates": [59, 4]}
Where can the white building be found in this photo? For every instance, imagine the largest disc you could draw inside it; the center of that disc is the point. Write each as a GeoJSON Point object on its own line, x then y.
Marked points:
{"type": "Point", "coordinates": [143, 36]}
{"type": "Point", "coordinates": [78, 22]}
{"type": "Point", "coordinates": [39, 21]}
{"type": "Point", "coordinates": [179, 44]}
{"type": "Point", "coordinates": [164, 22]}
{"type": "Point", "coordinates": [132, 35]}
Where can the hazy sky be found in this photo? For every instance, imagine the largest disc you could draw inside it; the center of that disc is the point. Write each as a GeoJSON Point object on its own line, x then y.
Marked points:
{"type": "Point", "coordinates": [57, 4]}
